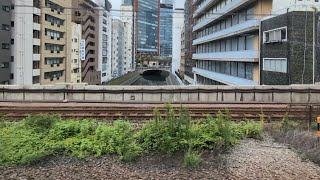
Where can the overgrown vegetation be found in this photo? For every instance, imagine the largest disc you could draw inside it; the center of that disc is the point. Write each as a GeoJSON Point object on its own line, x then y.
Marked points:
{"type": "Point", "coordinates": [40, 136]}
{"type": "Point", "coordinates": [298, 136]}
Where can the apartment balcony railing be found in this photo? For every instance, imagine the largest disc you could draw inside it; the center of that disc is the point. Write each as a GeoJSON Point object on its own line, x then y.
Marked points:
{"type": "Point", "coordinates": [203, 7]}
{"type": "Point", "coordinates": [214, 16]}
{"type": "Point", "coordinates": [224, 78]}
{"type": "Point", "coordinates": [239, 56]}
{"type": "Point", "coordinates": [231, 31]}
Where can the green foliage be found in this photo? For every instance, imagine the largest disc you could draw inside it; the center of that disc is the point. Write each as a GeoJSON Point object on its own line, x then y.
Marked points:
{"type": "Point", "coordinates": [287, 125]}
{"type": "Point", "coordinates": [41, 123]}
{"type": "Point", "coordinates": [43, 135]}
{"type": "Point", "coordinates": [192, 159]}
{"type": "Point", "coordinates": [21, 145]}
{"type": "Point", "coordinates": [166, 135]}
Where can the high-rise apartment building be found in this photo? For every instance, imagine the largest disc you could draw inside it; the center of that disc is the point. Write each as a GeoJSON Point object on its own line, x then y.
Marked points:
{"type": "Point", "coordinates": [166, 19]}
{"type": "Point", "coordinates": [25, 52]}
{"type": "Point", "coordinates": [76, 36]}
{"type": "Point", "coordinates": [127, 17]}
{"type": "Point", "coordinates": [147, 26]}
{"type": "Point", "coordinates": [84, 12]}
{"type": "Point", "coordinates": [227, 41]}
{"type": "Point", "coordinates": [55, 45]}
{"type": "Point", "coordinates": [189, 36]}
{"type": "Point", "coordinates": [118, 48]}
{"type": "Point", "coordinates": [5, 41]}
{"type": "Point", "coordinates": [178, 24]}
{"type": "Point", "coordinates": [104, 22]}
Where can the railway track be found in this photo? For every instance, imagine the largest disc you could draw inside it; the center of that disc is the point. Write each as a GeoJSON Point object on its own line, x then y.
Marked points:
{"type": "Point", "coordinates": [141, 113]}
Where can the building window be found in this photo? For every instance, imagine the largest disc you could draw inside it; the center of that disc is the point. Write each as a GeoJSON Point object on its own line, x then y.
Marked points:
{"type": "Point", "coordinates": [5, 27]}
{"type": "Point", "coordinates": [275, 35]}
{"type": "Point", "coordinates": [51, 61]}
{"type": "Point", "coordinates": [36, 79]}
{"type": "Point", "coordinates": [54, 74]}
{"type": "Point", "coordinates": [275, 64]}
{"type": "Point", "coordinates": [4, 65]}
{"type": "Point", "coordinates": [5, 46]}
{"type": "Point", "coordinates": [53, 34]}
{"type": "Point", "coordinates": [6, 8]}
{"type": "Point", "coordinates": [54, 47]}
{"type": "Point", "coordinates": [54, 20]}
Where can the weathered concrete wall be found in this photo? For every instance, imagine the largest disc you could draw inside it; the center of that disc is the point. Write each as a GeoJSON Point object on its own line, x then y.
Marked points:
{"type": "Point", "coordinates": [172, 94]}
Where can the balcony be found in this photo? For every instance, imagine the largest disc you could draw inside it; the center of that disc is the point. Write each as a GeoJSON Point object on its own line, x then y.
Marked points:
{"type": "Point", "coordinates": [231, 31]}
{"type": "Point", "coordinates": [36, 26]}
{"type": "Point", "coordinates": [226, 9]}
{"type": "Point", "coordinates": [36, 72]}
{"type": "Point", "coordinates": [36, 57]}
{"type": "Point", "coordinates": [225, 79]}
{"type": "Point", "coordinates": [195, 2]}
{"type": "Point", "coordinates": [204, 7]}
{"type": "Point", "coordinates": [239, 56]}
{"type": "Point", "coordinates": [36, 41]}
{"type": "Point", "coordinates": [36, 11]}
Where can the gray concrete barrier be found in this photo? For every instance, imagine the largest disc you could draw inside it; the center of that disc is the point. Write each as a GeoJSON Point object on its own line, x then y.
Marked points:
{"type": "Point", "coordinates": [165, 94]}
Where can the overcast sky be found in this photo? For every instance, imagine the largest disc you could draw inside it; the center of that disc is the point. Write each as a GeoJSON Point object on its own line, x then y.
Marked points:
{"type": "Point", "coordinates": [116, 4]}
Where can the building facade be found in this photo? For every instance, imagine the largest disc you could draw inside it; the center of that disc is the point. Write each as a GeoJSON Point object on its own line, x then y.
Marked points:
{"type": "Point", "coordinates": [75, 60]}
{"type": "Point", "coordinates": [147, 26]}
{"type": "Point", "coordinates": [178, 24]}
{"type": "Point", "coordinates": [289, 41]}
{"type": "Point", "coordinates": [118, 48]}
{"type": "Point", "coordinates": [227, 41]}
{"type": "Point", "coordinates": [85, 13]}
{"type": "Point", "coordinates": [127, 17]}
{"type": "Point", "coordinates": [55, 63]}
{"type": "Point", "coordinates": [166, 19]}
{"type": "Point", "coordinates": [25, 52]}
{"type": "Point", "coordinates": [189, 36]}
{"type": "Point", "coordinates": [5, 41]}
{"type": "Point", "coordinates": [104, 40]}
{"type": "Point", "coordinates": [182, 54]}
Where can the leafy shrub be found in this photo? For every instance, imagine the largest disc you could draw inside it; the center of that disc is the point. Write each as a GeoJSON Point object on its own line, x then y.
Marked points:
{"type": "Point", "coordinates": [287, 125]}
{"type": "Point", "coordinates": [192, 159]}
{"type": "Point", "coordinates": [19, 145]}
{"type": "Point", "coordinates": [166, 135]}
{"type": "Point", "coordinates": [250, 129]}
{"type": "Point", "coordinates": [123, 142]}
{"type": "Point", "coordinates": [41, 123]}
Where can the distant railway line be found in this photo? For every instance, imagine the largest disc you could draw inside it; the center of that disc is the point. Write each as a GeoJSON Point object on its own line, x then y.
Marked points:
{"type": "Point", "coordinates": [143, 112]}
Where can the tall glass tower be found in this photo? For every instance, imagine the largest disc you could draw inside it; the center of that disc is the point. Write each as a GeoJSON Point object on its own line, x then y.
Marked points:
{"type": "Point", "coordinates": [147, 26]}
{"type": "Point", "coordinates": [166, 12]}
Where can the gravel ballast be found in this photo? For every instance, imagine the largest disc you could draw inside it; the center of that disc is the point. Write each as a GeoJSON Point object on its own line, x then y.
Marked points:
{"type": "Point", "coordinates": [250, 159]}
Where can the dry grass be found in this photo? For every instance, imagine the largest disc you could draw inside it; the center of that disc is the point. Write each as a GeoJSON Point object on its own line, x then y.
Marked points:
{"type": "Point", "coordinates": [305, 142]}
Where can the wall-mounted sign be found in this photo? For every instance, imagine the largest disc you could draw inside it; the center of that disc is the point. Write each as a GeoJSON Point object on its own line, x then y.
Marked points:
{"type": "Point", "coordinates": [83, 50]}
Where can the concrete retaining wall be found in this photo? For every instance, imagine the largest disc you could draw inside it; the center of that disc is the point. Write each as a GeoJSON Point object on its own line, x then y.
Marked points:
{"type": "Point", "coordinates": [173, 94]}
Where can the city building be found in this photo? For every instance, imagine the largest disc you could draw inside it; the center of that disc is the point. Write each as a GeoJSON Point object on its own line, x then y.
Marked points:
{"type": "Point", "coordinates": [118, 48]}
{"type": "Point", "coordinates": [104, 24]}
{"type": "Point", "coordinates": [182, 54]}
{"type": "Point", "coordinates": [55, 42]}
{"type": "Point", "coordinates": [178, 24]}
{"type": "Point", "coordinates": [127, 15]}
{"type": "Point", "coordinates": [289, 44]}
{"type": "Point", "coordinates": [85, 12]}
{"type": "Point", "coordinates": [5, 41]}
{"type": "Point", "coordinates": [166, 19]}
{"type": "Point", "coordinates": [76, 33]}
{"type": "Point", "coordinates": [227, 41]}
{"type": "Point", "coordinates": [25, 33]}
{"type": "Point", "coordinates": [189, 36]}
{"type": "Point", "coordinates": [147, 26]}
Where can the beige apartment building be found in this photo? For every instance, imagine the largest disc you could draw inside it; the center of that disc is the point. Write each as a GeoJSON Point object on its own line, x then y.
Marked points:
{"type": "Point", "coordinates": [227, 41]}
{"type": "Point", "coordinates": [55, 38]}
